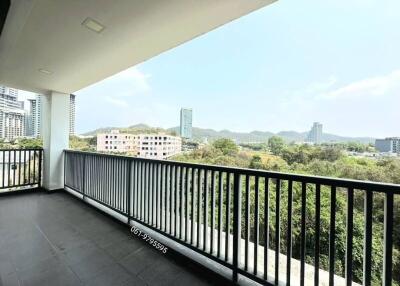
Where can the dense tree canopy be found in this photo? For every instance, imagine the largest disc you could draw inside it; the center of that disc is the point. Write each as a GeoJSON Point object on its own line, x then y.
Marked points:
{"type": "Point", "coordinates": [323, 160]}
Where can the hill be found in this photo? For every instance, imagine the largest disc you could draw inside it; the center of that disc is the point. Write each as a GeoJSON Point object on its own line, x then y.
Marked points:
{"type": "Point", "coordinates": [201, 134]}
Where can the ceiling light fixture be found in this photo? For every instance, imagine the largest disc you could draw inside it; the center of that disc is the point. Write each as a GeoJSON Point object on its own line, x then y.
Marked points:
{"type": "Point", "coordinates": [45, 71]}
{"type": "Point", "coordinates": [93, 25]}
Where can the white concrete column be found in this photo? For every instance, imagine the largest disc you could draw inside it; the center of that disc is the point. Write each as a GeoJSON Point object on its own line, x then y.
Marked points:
{"type": "Point", "coordinates": [55, 133]}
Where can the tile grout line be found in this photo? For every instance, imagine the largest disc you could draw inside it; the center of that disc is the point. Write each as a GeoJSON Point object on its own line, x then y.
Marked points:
{"type": "Point", "coordinates": [58, 253]}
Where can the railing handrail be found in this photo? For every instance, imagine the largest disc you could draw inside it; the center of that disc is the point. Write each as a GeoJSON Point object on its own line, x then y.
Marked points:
{"type": "Point", "coordinates": [321, 180]}
{"type": "Point", "coordinates": [18, 149]}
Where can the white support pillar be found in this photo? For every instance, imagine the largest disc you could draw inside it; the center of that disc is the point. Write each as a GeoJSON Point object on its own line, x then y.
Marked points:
{"type": "Point", "coordinates": [55, 132]}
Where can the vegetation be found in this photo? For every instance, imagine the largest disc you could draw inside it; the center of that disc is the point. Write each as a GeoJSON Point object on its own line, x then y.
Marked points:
{"type": "Point", "coordinates": [323, 160]}
{"type": "Point", "coordinates": [23, 143]}
{"type": "Point", "coordinates": [83, 144]}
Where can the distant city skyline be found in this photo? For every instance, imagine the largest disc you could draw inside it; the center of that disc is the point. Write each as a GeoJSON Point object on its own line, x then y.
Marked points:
{"type": "Point", "coordinates": [275, 69]}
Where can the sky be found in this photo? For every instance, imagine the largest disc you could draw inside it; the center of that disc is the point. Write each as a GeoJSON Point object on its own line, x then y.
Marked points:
{"type": "Point", "coordinates": [280, 68]}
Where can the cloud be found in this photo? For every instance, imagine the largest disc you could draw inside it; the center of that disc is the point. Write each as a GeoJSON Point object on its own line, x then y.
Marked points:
{"type": "Point", "coordinates": [374, 86]}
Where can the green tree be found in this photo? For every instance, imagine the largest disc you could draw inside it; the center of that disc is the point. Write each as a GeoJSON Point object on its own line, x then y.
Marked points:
{"type": "Point", "coordinates": [276, 145]}
{"type": "Point", "coordinates": [226, 146]}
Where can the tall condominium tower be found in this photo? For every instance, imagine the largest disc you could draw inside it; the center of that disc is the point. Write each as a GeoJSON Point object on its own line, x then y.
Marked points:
{"type": "Point", "coordinates": [315, 134]}
{"type": "Point", "coordinates": [186, 123]}
{"type": "Point", "coordinates": [72, 114]}
{"type": "Point", "coordinates": [12, 114]}
{"type": "Point", "coordinates": [34, 120]}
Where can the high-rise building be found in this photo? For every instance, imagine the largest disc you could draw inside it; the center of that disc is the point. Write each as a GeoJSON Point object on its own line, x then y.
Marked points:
{"type": "Point", "coordinates": [12, 114]}
{"type": "Point", "coordinates": [186, 123]}
{"type": "Point", "coordinates": [34, 122]}
{"type": "Point", "coordinates": [315, 134]}
{"type": "Point", "coordinates": [34, 118]}
{"type": "Point", "coordinates": [388, 145]}
{"type": "Point", "coordinates": [72, 114]}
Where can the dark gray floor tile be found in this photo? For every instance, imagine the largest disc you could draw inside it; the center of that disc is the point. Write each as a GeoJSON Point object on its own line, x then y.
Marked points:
{"type": "Point", "coordinates": [111, 275]}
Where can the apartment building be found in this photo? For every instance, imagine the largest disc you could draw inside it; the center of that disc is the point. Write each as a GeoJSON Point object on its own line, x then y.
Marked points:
{"type": "Point", "coordinates": [154, 146]}
{"type": "Point", "coordinates": [12, 114]}
{"type": "Point", "coordinates": [115, 142]}
{"type": "Point", "coordinates": [157, 146]}
{"type": "Point", "coordinates": [388, 145]}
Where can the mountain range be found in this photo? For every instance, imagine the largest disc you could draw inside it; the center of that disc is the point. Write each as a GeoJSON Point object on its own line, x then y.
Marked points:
{"type": "Point", "coordinates": [201, 134]}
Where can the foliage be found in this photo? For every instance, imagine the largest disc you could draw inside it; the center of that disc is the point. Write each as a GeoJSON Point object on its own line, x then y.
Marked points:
{"type": "Point", "coordinates": [323, 160]}
{"type": "Point", "coordinates": [276, 145]}
{"type": "Point", "coordinates": [82, 144]}
{"type": "Point", "coordinates": [22, 143]}
{"type": "Point", "coordinates": [226, 146]}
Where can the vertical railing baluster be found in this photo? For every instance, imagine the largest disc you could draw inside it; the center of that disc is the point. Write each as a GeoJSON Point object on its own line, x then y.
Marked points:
{"type": "Point", "coordinates": [171, 196]}
{"type": "Point", "coordinates": [14, 165]}
{"type": "Point", "coordinates": [317, 232]}
{"type": "Point", "coordinates": [266, 227]}
{"type": "Point", "coordinates": [176, 203]}
{"type": "Point", "coordinates": [205, 213]}
{"type": "Point", "coordinates": [289, 232]}
{"type": "Point", "coordinates": [181, 202]}
{"type": "Point", "coordinates": [228, 215]}
{"type": "Point", "coordinates": [19, 167]}
{"type": "Point", "coordinates": [237, 214]}
{"type": "Point", "coordinates": [256, 224]}
{"type": "Point", "coordinates": [193, 188]}
{"type": "Point", "coordinates": [349, 237]}
{"type": "Point", "coordinates": [187, 201]}
{"type": "Point", "coordinates": [128, 189]}
{"type": "Point", "coordinates": [277, 229]}
{"type": "Point", "coordinates": [199, 190]}
{"type": "Point", "coordinates": [332, 234]}
{"type": "Point", "coordinates": [367, 269]}
{"type": "Point", "coordinates": [212, 211]}
{"type": "Point", "coordinates": [83, 174]}
{"type": "Point", "coordinates": [157, 179]}
{"type": "Point", "coordinates": [388, 240]}
{"type": "Point", "coordinates": [247, 223]}
{"type": "Point", "coordinates": [220, 203]}
{"type": "Point", "coordinates": [303, 232]}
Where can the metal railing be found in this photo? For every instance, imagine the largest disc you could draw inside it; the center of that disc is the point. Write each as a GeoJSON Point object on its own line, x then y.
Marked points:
{"type": "Point", "coordinates": [236, 217]}
{"type": "Point", "coordinates": [20, 169]}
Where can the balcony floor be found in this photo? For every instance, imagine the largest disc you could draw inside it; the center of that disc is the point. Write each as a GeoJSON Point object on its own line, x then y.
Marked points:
{"type": "Point", "coordinates": [54, 239]}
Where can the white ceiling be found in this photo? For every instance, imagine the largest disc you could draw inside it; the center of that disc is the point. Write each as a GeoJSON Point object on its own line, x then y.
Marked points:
{"type": "Point", "coordinates": [48, 34]}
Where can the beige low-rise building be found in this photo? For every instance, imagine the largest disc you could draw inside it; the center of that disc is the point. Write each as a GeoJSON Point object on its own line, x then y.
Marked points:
{"type": "Point", "coordinates": [115, 142]}
{"type": "Point", "coordinates": [157, 146]}
{"type": "Point", "coordinates": [154, 146]}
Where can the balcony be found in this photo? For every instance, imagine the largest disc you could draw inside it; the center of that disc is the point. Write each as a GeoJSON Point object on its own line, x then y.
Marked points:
{"type": "Point", "coordinates": [218, 219]}
{"type": "Point", "coordinates": [70, 218]}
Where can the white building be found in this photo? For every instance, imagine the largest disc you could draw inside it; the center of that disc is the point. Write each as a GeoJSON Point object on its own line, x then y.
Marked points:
{"type": "Point", "coordinates": [12, 114]}
{"type": "Point", "coordinates": [154, 146]}
{"type": "Point", "coordinates": [157, 146]}
{"type": "Point", "coordinates": [115, 142]}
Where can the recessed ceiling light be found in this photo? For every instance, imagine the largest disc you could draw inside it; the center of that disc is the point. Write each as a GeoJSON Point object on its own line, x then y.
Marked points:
{"type": "Point", "coordinates": [45, 71]}
{"type": "Point", "coordinates": [93, 25]}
